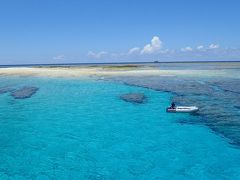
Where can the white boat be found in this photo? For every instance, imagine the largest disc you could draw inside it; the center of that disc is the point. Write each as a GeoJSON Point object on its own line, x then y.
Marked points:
{"type": "Point", "coordinates": [183, 109]}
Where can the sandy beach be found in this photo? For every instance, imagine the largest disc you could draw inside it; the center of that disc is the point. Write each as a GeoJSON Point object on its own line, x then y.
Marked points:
{"type": "Point", "coordinates": [101, 71]}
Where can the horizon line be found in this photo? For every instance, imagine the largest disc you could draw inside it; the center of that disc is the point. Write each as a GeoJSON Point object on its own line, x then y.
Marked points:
{"type": "Point", "coordinates": [130, 62]}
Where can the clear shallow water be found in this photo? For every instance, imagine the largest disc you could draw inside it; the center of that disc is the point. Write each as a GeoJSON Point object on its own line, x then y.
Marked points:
{"type": "Point", "coordinates": [216, 94]}
{"type": "Point", "coordinates": [80, 129]}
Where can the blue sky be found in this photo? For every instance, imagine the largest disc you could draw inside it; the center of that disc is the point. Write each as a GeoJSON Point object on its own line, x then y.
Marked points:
{"type": "Point", "coordinates": [72, 31]}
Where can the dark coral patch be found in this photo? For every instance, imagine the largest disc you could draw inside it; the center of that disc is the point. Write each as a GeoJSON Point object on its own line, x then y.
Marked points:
{"type": "Point", "coordinates": [25, 92]}
{"type": "Point", "coordinates": [134, 97]}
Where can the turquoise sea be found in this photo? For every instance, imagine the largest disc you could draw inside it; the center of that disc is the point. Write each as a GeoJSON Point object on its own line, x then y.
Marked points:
{"type": "Point", "coordinates": [81, 129]}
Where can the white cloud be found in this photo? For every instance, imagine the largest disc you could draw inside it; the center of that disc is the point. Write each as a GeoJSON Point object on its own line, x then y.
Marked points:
{"type": "Point", "coordinates": [214, 46]}
{"type": "Point", "coordinates": [186, 49]}
{"type": "Point", "coordinates": [97, 55]}
{"type": "Point", "coordinates": [155, 46]}
{"type": "Point", "coordinates": [200, 47]}
{"type": "Point", "coordinates": [134, 50]}
{"type": "Point", "coordinates": [59, 57]}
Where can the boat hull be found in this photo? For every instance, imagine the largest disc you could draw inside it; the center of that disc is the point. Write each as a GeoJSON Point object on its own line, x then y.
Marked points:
{"type": "Point", "coordinates": [183, 109]}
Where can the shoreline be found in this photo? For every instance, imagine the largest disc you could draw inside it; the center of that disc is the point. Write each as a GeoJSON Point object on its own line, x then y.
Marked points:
{"type": "Point", "coordinates": [101, 71]}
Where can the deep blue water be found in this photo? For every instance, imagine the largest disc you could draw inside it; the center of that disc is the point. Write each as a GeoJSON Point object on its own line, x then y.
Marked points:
{"type": "Point", "coordinates": [81, 129]}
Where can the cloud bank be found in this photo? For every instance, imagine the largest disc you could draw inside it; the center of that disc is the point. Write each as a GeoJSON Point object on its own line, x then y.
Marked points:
{"type": "Point", "coordinates": [154, 50]}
